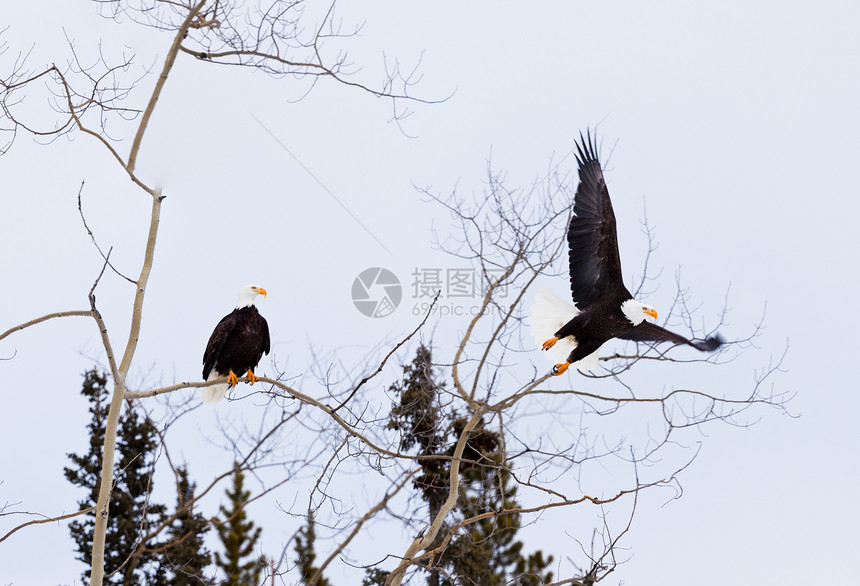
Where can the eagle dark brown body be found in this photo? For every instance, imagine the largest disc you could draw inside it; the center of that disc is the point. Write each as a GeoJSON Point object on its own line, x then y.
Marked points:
{"type": "Point", "coordinates": [238, 343]}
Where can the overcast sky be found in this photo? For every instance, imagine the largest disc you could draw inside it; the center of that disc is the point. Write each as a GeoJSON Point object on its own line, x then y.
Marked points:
{"type": "Point", "coordinates": [736, 124]}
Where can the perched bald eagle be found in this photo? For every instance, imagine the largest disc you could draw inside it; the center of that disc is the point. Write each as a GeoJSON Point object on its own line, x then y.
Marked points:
{"type": "Point", "coordinates": [236, 345]}
{"type": "Point", "coordinates": [604, 309]}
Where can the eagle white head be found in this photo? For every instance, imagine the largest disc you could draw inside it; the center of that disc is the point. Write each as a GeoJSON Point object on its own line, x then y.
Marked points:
{"type": "Point", "coordinates": [248, 295]}
{"type": "Point", "coordinates": [637, 312]}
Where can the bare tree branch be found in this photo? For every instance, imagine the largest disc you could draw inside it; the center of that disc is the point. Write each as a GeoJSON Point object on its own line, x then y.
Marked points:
{"type": "Point", "coordinates": [46, 520]}
{"type": "Point", "coordinates": [38, 320]}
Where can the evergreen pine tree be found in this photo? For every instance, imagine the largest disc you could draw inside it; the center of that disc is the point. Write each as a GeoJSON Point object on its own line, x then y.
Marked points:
{"type": "Point", "coordinates": [185, 556]}
{"type": "Point", "coordinates": [131, 515]}
{"type": "Point", "coordinates": [485, 552]}
{"type": "Point", "coordinates": [419, 418]}
{"type": "Point", "coordinates": [374, 577]}
{"type": "Point", "coordinates": [239, 537]}
{"type": "Point", "coordinates": [306, 555]}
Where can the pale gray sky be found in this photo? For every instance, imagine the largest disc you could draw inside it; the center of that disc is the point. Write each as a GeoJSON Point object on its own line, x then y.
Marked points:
{"type": "Point", "coordinates": [736, 123]}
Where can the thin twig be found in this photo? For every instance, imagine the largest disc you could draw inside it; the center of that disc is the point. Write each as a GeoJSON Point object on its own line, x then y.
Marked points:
{"type": "Point", "coordinates": [387, 356]}
{"type": "Point", "coordinates": [96, 244]}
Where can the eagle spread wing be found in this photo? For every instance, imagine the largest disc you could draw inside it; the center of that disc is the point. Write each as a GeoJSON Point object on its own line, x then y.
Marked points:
{"type": "Point", "coordinates": [595, 264]}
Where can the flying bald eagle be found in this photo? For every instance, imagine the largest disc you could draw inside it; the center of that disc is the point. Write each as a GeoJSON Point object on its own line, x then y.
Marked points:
{"type": "Point", "coordinates": [236, 345]}
{"type": "Point", "coordinates": [604, 309]}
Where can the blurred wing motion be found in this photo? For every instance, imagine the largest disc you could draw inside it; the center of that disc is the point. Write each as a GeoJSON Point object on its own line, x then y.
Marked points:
{"type": "Point", "coordinates": [648, 332]}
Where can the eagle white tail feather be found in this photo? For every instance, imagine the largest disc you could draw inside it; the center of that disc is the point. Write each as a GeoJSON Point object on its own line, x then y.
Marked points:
{"type": "Point", "coordinates": [590, 362]}
{"type": "Point", "coordinates": [214, 393]}
{"type": "Point", "coordinates": [546, 316]}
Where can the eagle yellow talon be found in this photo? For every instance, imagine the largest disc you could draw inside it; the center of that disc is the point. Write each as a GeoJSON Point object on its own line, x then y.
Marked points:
{"type": "Point", "coordinates": [252, 378]}
{"type": "Point", "coordinates": [560, 368]}
{"type": "Point", "coordinates": [549, 343]}
{"type": "Point", "coordinates": [232, 379]}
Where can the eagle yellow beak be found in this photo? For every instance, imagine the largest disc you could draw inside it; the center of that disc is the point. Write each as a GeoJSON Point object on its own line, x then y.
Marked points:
{"type": "Point", "coordinates": [261, 291]}
{"type": "Point", "coordinates": [651, 312]}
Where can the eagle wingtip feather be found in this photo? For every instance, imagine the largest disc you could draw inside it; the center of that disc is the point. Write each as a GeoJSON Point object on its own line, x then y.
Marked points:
{"type": "Point", "coordinates": [711, 343]}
